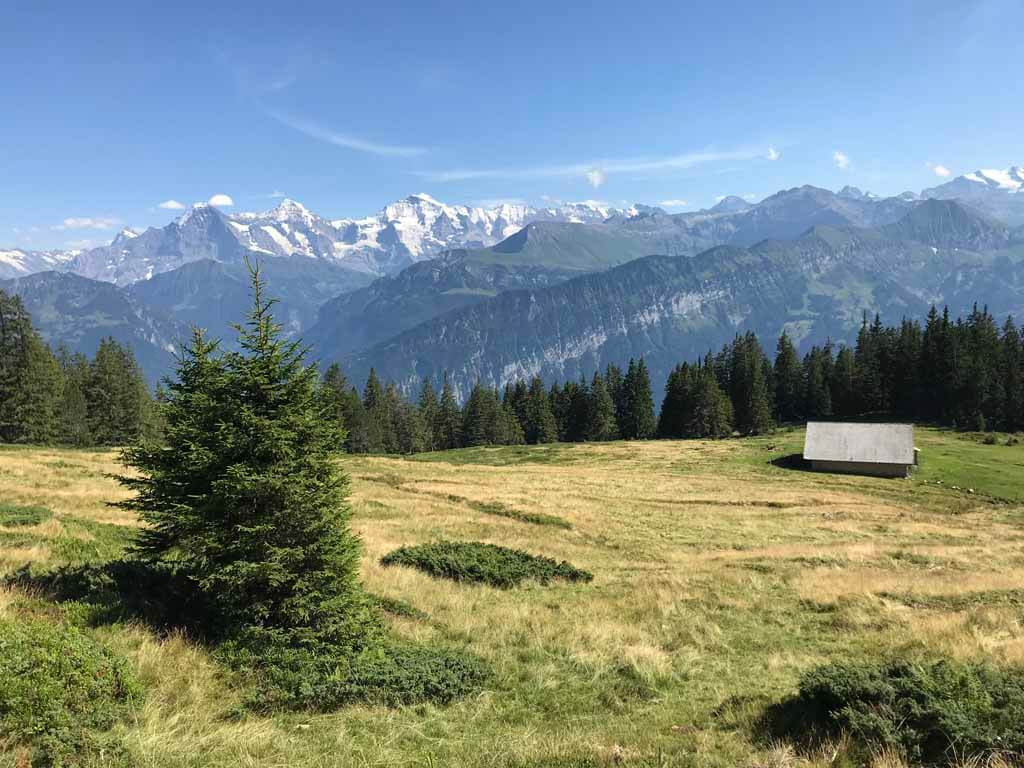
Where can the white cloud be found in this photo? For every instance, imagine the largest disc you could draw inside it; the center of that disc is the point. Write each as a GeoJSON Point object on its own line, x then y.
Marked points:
{"type": "Point", "coordinates": [940, 170]}
{"type": "Point", "coordinates": [596, 170]}
{"type": "Point", "coordinates": [596, 177]}
{"type": "Point", "coordinates": [277, 195]}
{"type": "Point", "coordinates": [673, 203]}
{"type": "Point", "coordinates": [841, 159]}
{"type": "Point", "coordinates": [171, 205]}
{"type": "Point", "coordinates": [494, 202]}
{"type": "Point", "coordinates": [83, 244]}
{"type": "Point", "coordinates": [221, 199]}
{"type": "Point", "coordinates": [88, 222]}
{"type": "Point", "coordinates": [773, 154]}
{"type": "Point", "coordinates": [317, 131]}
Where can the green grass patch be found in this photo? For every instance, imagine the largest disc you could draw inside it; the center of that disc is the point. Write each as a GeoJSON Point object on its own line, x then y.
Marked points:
{"type": "Point", "coordinates": [399, 608]}
{"type": "Point", "coordinates": [12, 515]}
{"type": "Point", "coordinates": [61, 693]}
{"type": "Point", "coordinates": [503, 510]}
{"type": "Point", "coordinates": [964, 601]}
{"type": "Point", "coordinates": [88, 541]}
{"type": "Point", "coordinates": [938, 713]}
{"type": "Point", "coordinates": [480, 563]}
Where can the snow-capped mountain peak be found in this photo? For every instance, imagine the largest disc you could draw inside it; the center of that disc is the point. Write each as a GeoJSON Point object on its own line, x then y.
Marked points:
{"type": "Point", "coordinates": [1011, 179]}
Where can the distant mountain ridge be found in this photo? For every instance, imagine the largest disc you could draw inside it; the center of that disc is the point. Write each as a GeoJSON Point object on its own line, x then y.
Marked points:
{"type": "Point", "coordinates": [997, 193]}
{"type": "Point", "coordinates": [193, 270]}
{"type": "Point", "coordinates": [403, 233]}
{"type": "Point", "coordinates": [671, 308]}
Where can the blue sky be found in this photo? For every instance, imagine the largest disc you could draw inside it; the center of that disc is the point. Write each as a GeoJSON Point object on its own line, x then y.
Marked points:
{"type": "Point", "coordinates": [109, 109]}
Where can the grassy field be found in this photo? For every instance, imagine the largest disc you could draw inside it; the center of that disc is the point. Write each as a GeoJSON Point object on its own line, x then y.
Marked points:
{"type": "Point", "coordinates": [718, 577]}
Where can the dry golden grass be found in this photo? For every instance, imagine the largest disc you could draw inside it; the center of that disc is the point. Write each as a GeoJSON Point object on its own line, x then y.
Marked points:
{"type": "Point", "coordinates": [718, 578]}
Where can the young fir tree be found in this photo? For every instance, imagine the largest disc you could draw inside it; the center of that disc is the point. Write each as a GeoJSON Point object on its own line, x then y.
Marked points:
{"type": "Point", "coordinates": [245, 499]}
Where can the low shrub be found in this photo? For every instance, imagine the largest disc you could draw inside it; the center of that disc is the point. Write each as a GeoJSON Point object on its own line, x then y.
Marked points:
{"type": "Point", "coordinates": [934, 714]}
{"type": "Point", "coordinates": [322, 678]}
{"type": "Point", "coordinates": [12, 515]}
{"type": "Point", "coordinates": [483, 564]}
{"type": "Point", "coordinates": [60, 693]}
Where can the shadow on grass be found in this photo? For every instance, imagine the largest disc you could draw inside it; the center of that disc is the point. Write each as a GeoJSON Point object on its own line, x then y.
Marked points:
{"type": "Point", "coordinates": [793, 461]}
{"type": "Point", "coordinates": [123, 590]}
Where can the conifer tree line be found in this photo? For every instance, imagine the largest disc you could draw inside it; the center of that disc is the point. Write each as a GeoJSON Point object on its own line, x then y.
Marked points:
{"type": "Point", "coordinates": [966, 373]}
{"type": "Point", "coordinates": [51, 398]}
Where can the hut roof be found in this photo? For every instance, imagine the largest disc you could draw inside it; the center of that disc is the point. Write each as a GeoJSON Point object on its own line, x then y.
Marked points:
{"type": "Point", "coordinates": [873, 443]}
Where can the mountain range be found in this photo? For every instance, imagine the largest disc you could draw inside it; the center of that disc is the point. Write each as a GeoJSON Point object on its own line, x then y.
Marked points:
{"type": "Point", "coordinates": [510, 290]}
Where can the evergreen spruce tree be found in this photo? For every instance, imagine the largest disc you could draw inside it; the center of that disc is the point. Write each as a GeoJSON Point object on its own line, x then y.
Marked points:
{"type": "Point", "coordinates": [116, 395]}
{"type": "Point", "coordinates": [335, 391]}
{"type": "Point", "coordinates": [429, 409]}
{"type": "Point", "coordinates": [448, 429]}
{"type": "Point", "coordinates": [379, 435]}
{"type": "Point", "coordinates": [601, 424]}
{"type": "Point", "coordinates": [577, 427]}
{"type": "Point", "coordinates": [789, 381]}
{"type": "Point", "coordinates": [845, 402]}
{"type": "Point", "coordinates": [817, 394]}
{"type": "Point", "coordinates": [30, 379]}
{"type": "Point", "coordinates": [541, 426]}
{"type": "Point", "coordinates": [640, 423]}
{"type": "Point", "coordinates": [246, 500]}
{"type": "Point", "coordinates": [1012, 377]}
{"type": "Point", "coordinates": [710, 414]}
{"type": "Point", "coordinates": [676, 407]}
{"type": "Point", "coordinates": [74, 411]}
{"type": "Point", "coordinates": [749, 383]}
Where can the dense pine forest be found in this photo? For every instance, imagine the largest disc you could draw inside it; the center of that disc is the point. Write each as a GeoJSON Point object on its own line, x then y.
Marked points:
{"type": "Point", "coordinates": [59, 397]}
{"type": "Point", "coordinates": [966, 373]}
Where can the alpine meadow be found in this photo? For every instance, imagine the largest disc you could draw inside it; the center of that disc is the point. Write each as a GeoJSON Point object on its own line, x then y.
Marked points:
{"type": "Point", "coordinates": [633, 386]}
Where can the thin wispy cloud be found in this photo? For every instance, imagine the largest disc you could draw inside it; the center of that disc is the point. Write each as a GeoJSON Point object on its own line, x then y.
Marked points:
{"type": "Point", "coordinates": [276, 195]}
{"type": "Point", "coordinates": [88, 222]}
{"type": "Point", "coordinates": [171, 205]}
{"type": "Point", "coordinates": [596, 177]}
{"type": "Point", "coordinates": [841, 159]}
{"type": "Point", "coordinates": [939, 170]}
{"type": "Point", "coordinates": [496, 202]}
{"type": "Point", "coordinates": [323, 133]}
{"type": "Point", "coordinates": [596, 173]}
{"type": "Point", "coordinates": [773, 154]}
{"type": "Point", "coordinates": [673, 203]}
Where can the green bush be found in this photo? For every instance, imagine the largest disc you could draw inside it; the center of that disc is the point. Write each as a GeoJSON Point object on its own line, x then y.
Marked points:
{"type": "Point", "coordinates": [60, 692]}
{"type": "Point", "coordinates": [483, 563]}
{"type": "Point", "coordinates": [933, 713]}
{"type": "Point", "coordinates": [322, 678]}
{"type": "Point", "coordinates": [12, 515]}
